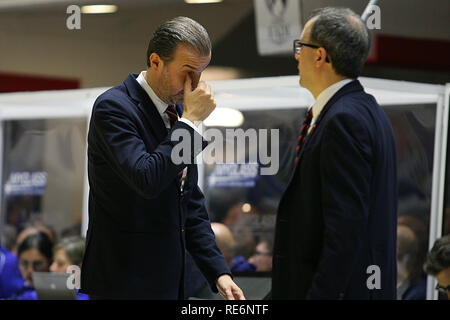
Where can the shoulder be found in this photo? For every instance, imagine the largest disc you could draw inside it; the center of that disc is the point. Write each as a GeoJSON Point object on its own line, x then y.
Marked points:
{"type": "Point", "coordinates": [355, 111]}
{"type": "Point", "coordinates": [116, 93]}
{"type": "Point", "coordinates": [115, 99]}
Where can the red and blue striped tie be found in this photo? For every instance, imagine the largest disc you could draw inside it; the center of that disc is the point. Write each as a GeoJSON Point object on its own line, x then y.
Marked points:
{"type": "Point", "coordinates": [173, 115]}
{"type": "Point", "coordinates": [303, 133]}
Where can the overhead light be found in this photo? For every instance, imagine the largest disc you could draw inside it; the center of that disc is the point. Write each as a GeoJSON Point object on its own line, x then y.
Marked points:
{"type": "Point", "coordinates": [96, 9]}
{"type": "Point", "coordinates": [246, 207]}
{"type": "Point", "coordinates": [224, 117]}
{"type": "Point", "coordinates": [202, 1]}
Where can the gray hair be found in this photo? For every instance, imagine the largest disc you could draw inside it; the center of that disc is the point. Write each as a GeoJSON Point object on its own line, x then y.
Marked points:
{"type": "Point", "coordinates": [178, 30]}
{"type": "Point", "coordinates": [74, 248]}
{"type": "Point", "coordinates": [438, 258]}
{"type": "Point", "coordinates": [345, 38]}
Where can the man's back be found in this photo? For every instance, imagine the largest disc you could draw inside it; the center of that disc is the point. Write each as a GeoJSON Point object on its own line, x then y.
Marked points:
{"type": "Point", "coordinates": [340, 205]}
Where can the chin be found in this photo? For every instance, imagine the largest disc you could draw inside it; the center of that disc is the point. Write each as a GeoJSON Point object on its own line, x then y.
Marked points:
{"type": "Point", "coordinates": [300, 82]}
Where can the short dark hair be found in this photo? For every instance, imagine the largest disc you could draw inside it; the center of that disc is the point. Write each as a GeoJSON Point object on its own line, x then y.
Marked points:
{"type": "Point", "coordinates": [39, 241]}
{"type": "Point", "coordinates": [438, 259]}
{"type": "Point", "coordinates": [345, 37]}
{"type": "Point", "coordinates": [175, 31]}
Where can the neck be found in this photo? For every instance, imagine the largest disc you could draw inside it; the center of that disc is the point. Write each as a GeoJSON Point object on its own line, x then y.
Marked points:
{"type": "Point", "coordinates": [152, 83]}
{"type": "Point", "coordinates": [149, 79]}
{"type": "Point", "coordinates": [325, 82]}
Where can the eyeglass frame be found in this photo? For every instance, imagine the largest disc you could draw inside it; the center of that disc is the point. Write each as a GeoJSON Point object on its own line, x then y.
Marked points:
{"type": "Point", "coordinates": [299, 44]}
{"type": "Point", "coordinates": [442, 289]}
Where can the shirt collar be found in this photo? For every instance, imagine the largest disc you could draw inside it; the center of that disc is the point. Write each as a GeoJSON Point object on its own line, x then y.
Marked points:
{"type": "Point", "coordinates": [160, 105]}
{"type": "Point", "coordinates": [326, 95]}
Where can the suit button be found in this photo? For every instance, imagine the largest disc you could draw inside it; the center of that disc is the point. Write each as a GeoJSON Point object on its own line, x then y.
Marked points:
{"type": "Point", "coordinates": [182, 230]}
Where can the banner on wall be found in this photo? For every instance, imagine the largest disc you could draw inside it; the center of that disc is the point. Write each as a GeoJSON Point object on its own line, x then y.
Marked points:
{"type": "Point", "coordinates": [26, 183]}
{"type": "Point", "coordinates": [278, 24]}
{"type": "Point", "coordinates": [235, 175]}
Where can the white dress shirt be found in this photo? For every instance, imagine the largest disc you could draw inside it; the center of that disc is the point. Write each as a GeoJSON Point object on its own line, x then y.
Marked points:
{"type": "Point", "coordinates": [324, 97]}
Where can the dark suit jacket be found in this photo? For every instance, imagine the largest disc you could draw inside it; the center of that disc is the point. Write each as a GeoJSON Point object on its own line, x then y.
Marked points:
{"type": "Point", "coordinates": [338, 215]}
{"type": "Point", "coordinates": [140, 223]}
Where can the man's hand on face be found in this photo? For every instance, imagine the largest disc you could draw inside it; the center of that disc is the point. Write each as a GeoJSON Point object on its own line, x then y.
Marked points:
{"type": "Point", "coordinates": [199, 103]}
{"type": "Point", "coordinates": [228, 289]}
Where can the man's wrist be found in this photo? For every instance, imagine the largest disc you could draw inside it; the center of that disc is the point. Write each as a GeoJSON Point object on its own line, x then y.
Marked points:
{"type": "Point", "coordinates": [191, 124]}
{"type": "Point", "coordinates": [223, 274]}
{"type": "Point", "coordinates": [188, 118]}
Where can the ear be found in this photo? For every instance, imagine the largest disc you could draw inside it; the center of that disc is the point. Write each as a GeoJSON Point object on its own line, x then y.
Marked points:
{"type": "Point", "coordinates": [322, 57]}
{"type": "Point", "coordinates": [156, 62]}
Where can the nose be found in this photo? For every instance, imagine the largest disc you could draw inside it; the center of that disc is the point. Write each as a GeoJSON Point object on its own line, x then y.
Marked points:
{"type": "Point", "coordinates": [53, 267]}
{"type": "Point", "coordinates": [27, 272]}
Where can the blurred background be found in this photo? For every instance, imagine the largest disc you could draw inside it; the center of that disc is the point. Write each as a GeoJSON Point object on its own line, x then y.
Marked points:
{"type": "Point", "coordinates": [36, 46]}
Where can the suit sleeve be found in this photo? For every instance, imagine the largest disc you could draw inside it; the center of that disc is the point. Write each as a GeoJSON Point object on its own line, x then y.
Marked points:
{"type": "Point", "coordinates": [200, 240]}
{"type": "Point", "coordinates": [345, 173]}
{"type": "Point", "coordinates": [117, 137]}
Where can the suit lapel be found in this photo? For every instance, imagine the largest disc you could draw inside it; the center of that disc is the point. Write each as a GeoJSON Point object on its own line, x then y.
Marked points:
{"type": "Point", "coordinates": [348, 88]}
{"type": "Point", "coordinates": [146, 107]}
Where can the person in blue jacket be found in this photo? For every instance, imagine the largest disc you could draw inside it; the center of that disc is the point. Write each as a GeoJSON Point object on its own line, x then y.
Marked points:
{"type": "Point", "coordinates": [10, 278]}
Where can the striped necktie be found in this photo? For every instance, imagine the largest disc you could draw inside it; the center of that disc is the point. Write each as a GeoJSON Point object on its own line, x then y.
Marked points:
{"type": "Point", "coordinates": [171, 111]}
{"type": "Point", "coordinates": [173, 115]}
{"type": "Point", "coordinates": [303, 133]}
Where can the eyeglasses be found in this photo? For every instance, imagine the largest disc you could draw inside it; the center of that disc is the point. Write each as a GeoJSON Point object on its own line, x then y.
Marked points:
{"type": "Point", "coordinates": [298, 46]}
{"type": "Point", "coordinates": [442, 289]}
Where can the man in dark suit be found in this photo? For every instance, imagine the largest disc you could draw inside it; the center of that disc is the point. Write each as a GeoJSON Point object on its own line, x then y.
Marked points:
{"type": "Point", "coordinates": [336, 222]}
{"type": "Point", "coordinates": [145, 207]}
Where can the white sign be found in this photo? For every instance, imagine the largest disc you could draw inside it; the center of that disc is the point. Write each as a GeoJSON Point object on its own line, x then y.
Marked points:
{"type": "Point", "coordinates": [26, 183]}
{"type": "Point", "coordinates": [278, 24]}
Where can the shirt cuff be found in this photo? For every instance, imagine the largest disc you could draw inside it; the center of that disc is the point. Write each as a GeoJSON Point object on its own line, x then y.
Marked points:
{"type": "Point", "coordinates": [191, 124]}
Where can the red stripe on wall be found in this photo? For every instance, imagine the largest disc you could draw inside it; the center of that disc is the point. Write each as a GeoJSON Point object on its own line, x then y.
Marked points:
{"type": "Point", "coordinates": [10, 82]}
{"type": "Point", "coordinates": [410, 53]}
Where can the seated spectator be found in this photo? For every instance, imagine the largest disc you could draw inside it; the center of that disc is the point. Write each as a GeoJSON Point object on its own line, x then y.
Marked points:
{"type": "Point", "coordinates": [35, 255]}
{"type": "Point", "coordinates": [262, 257]}
{"type": "Point", "coordinates": [412, 240]}
{"type": "Point", "coordinates": [224, 240]}
{"type": "Point", "coordinates": [437, 264]}
{"type": "Point", "coordinates": [240, 264]}
{"type": "Point", "coordinates": [10, 278]}
{"type": "Point", "coordinates": [33, 227]}
{"type": "Point", "coordinates": [69, 251]}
